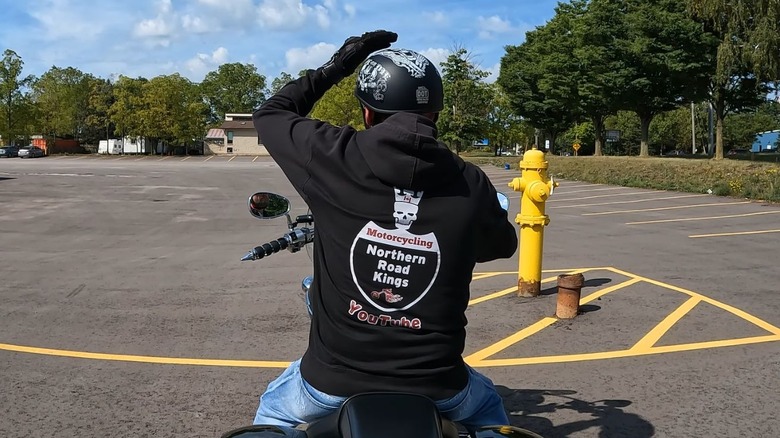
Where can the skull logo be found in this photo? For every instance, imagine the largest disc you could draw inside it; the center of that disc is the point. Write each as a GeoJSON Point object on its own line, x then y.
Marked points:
{"type": "Point", "coordinates": [404, 214]}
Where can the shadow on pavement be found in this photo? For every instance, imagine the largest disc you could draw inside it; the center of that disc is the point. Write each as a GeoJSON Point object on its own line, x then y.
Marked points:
{"type": "Point", "coordinates": [601, 418]}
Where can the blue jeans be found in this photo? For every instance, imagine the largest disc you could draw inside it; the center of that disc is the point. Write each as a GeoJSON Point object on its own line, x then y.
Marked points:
{"type": "Point", "coordinates": [290, 401]}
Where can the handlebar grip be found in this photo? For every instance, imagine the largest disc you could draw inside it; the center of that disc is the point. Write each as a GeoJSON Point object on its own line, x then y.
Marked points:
{"type": "Point", "coordinates": [271, 247]}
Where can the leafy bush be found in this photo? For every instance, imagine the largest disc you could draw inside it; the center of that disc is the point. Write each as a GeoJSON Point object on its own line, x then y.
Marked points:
{"type": "Point", "coordinates": [746, 179]}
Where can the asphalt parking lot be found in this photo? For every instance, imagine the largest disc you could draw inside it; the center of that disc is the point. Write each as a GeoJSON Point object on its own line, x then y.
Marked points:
{"type": "Point", "coordinates": [126, 311]}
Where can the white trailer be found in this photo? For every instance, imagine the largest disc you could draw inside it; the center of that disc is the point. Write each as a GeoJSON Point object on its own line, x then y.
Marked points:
{"type": "Point", "coordinates": [134, 145]}
{"type": "Point", "coordinates": [111, 146]}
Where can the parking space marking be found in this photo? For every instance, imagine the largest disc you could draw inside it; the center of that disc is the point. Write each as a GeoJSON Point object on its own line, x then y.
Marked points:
{"type": "Point", "coordinates": [633, 201]}
{"type": "Point", "coordinates": [645, 346]}
{"type": "Point", "coordinates": [660, 330]}
{"type": "Point", "coordinates": [737, 233]}
{"type": "Point", "coordinates": [255, 159]}
{"type": "Point", "coordinates": [676, 207]}
{"type": "Point", "coordinates": [702, 218]}
{"type": "Point", "coordinates": [186, 158]}
{"type": "Point", "coordinates": [232, 158]}
{"type": "Point", "coordinates": [599, 196]}
{"type": "Point", "coordinates": [209, 158]}
{"type": "Point", "coordinates": [481, 355]}
{"type": "Point", "coordinates": [481, 358]}
{"type": "Point", "coordinates": [591, 190]}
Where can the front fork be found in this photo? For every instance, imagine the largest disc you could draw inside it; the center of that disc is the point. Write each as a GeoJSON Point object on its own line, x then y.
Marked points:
{"type": "Point", "coordinates": [306, 286]}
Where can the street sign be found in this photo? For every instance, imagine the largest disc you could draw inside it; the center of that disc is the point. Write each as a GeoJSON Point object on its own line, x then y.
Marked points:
{"type": "Point", "coordinates": [613, 136]}
{"type": "Point", "coordinates": [576, 146]}
{"type": "Point", "coordinates": [547, 144]}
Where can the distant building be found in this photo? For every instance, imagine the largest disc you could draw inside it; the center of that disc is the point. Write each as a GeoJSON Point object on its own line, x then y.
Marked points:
{"type": "Point", "coordinates": [766, 141]}
{"type": "Point", "coordinates": [236, 135]}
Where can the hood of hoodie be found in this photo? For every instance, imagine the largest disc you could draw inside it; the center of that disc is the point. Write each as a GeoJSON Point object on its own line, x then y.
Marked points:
{"type": "Point", "coordinates": [403, 151]}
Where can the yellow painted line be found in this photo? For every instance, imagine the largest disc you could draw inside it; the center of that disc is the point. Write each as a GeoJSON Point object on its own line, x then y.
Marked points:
{"type": "Point", "coordinates": [618, 353]}
{"type": "Point", "coordinates": [599, 196]}
{"type": "Point", "coordinates": [565, 185]}
{"type": "Point", "coordinates": [703, 218]}
{"type": "Point", "coordinates": [633, 201]}
{"type": "Point", "coordinates": [186, 158]}
{"type": "Point", "coordinates": [255, 159]}
{"type": "Point", "coordinates": [589, 190]}
{"type": "Point", "coordinates": [738, 233]}
{"type": "Point", "coordinates": [677, 207]}
{"type": "Point", "coordinates": [476, 277]}
{"type": "Point", "coordinates": [539, 325]}
{"type": "Point", "coordinates": [145, 359]}
{"type": "Point", "coordinates": [511, 340]}
{"type": "Point", "coordinates": [601, 292]}
{"type": "Point", "coordinates": [232, 158]}
{"type": "Point", "coordinates": [731, 309]}
{"type": "Point", "coordinates": [660, 330]}
{"type": "Point", "coordinates": [506, 291]}
{"type": "Point", "coordinates": [209, 158]}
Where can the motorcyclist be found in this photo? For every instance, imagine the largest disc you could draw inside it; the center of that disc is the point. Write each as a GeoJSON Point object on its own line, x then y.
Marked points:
{"type": "Point", "coordinates": [401, 223]}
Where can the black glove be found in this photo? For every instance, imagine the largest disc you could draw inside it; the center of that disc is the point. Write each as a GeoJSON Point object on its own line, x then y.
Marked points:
{"type": "Point", "coordinates": [354, 51]}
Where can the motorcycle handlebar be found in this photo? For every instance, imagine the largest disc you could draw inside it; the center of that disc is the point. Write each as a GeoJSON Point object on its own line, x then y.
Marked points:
{"type": "Point", "coordinates": [293, 240]}
{"type": "Point", "coordinates": [266, 249]}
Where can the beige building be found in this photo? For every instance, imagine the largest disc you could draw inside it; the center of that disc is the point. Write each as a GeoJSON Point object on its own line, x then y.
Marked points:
{"type": "Point", "coordinates": [236, 136]}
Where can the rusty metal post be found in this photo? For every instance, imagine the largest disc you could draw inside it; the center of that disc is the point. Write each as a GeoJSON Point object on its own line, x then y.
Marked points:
{"type": "Point", "coordinates": [569, 292]}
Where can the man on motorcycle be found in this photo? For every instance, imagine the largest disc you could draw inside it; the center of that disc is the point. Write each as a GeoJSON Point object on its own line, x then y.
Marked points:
{"type": "Point", "coordinates": [401, 223]}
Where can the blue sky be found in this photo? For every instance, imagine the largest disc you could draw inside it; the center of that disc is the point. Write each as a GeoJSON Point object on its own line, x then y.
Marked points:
{"type": "Point", "coordinates": [153, 37]}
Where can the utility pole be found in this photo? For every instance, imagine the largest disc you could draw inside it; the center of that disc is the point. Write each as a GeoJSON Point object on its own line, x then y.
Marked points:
{"type": "Point", "coordinates": [693, 129]}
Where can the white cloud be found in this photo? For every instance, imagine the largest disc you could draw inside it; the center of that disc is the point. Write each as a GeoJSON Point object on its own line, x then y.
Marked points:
{"type": "Point", "coordinates": [490, 26]}
{"type": "Point", "coordinates": [202, 63]}
{"type": "Point", "coordinates": [153, 27]}
{"type": "Point", "coordinates": [350, 10]}
{"type": "Point", "coordinates": [194, 24]}
{"type": "Point", "coordinates": [160, 28]}
{"type": "Point", "coordinates": [436, 56]}
{"type": "Point", "coordinates": [494, 71]}
{"type": "Point", "coordinates": [61, 19]}
{"type": "Point", "coordinates": [438, 18]}
{"type": "Point", "coordinates": [308, 57]}
{"type": "Point", "coordinates": [291, 14]}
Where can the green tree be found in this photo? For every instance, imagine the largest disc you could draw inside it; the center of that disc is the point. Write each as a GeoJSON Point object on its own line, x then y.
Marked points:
{"type": "Point", "coordinates": [466, 101]}
{"type": "Point", "coordinates": [601, 71]}
{"type": "Point", "coordinates": [173, 110]}
{"type": "Point", "coordinates": [233, 88]}
{"type": "Point", "coordinates": [280, 81]}
{"type": "Point", "coordinates": [540, 75]}
{"type": "Point", "coordinates": [505, 127]}
{"type": "Point", "coordinates": [13, 103]}
{"type": "Point", "coordinates": [339, 106]}
{"type": "Point", "coordinates": [62, 97]}
{"type": "Point", "coordinates": [127, 105]}
{"type": "Point", "coordinates": [98, 122]}
{"type": "Point", "coordinates": [747, 54]}
{"type": "Point", "coordinates": [670, 57]}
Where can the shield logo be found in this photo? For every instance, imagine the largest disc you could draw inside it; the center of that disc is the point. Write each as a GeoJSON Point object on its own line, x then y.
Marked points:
{"type": "Point", "coordinates": [393, 269]}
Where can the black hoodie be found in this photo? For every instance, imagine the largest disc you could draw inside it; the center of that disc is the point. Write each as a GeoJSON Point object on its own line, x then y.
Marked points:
{"type": "Point", "coordinates": [400, 224]}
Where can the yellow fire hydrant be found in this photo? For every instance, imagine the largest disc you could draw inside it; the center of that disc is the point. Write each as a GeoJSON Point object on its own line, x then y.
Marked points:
{"type": "Point", "coordinates": [536, 187]}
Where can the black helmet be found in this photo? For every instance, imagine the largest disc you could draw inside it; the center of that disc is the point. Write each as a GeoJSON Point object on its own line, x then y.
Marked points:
{"type": "Point", "coordinates": [396, 80]}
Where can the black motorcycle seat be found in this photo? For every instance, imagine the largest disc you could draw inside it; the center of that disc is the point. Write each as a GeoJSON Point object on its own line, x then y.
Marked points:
{"type": "Point", "coordinates": [381, 415]}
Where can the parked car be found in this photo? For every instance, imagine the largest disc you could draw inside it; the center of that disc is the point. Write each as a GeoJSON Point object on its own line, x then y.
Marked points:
{"type": "Point", "coordinates": [737, 152]}
{"type": "Point", "coordinates": [9, 152]}
{"type": "Point", "coordinates": [31, 152]}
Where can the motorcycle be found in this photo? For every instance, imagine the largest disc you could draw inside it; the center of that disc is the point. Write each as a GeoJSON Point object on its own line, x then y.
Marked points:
{"type": "Point", "coordinates": [366, 415]}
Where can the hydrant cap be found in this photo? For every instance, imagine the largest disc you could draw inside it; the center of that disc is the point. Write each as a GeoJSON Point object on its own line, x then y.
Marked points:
{"type": "Point", "coordinates": [534, 159]}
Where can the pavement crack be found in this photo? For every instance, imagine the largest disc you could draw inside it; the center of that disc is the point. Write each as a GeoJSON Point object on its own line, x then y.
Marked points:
{"type": "Point", "coordinates": [76, 291]}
